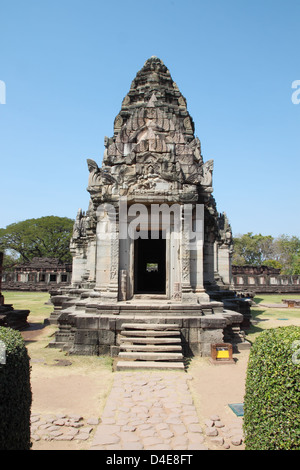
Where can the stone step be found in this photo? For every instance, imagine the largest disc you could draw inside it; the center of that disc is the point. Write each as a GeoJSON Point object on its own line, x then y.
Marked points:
{"type": "Point", "coordinates": [151, 347]}
{"type": "Point", "coordinates": [150, 356]}
{"type": "Point", "coordinates": [150, 326]}
{"type": "Point", "coordinates": [127, 365]}
{"type": "Point", "coordinates": [149, 333]}
{"type": "Point", "coordinates": [151, 340]}
{"type": "Point", "coordinates": [157, 344]}
{"type": "Point", "coordinates": [56, 344]}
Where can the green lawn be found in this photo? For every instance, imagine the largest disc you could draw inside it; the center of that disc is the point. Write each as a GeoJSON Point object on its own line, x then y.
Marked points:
{"type": "Point", "coordinates": [33, 301]}
{"type": "Point", "coordinates": [276, 312]}
{"type": "Point", "coordinates": [269, 317]}
{"type": "Point", "coordinates": [39, 311]}
{"type": "Point", "coordinates": [274, 298]}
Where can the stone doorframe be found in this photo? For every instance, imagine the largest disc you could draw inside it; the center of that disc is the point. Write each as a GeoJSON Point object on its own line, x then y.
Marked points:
{"type": "Point", "coordinates": [127, 270]}
{"type": "Point", "coordinates": [184, 267]}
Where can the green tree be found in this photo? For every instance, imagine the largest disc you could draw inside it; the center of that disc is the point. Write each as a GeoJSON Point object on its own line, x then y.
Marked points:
{"type": "Point", "coordinates": [296, 266]}
{"type": "Point", "coordinates": [252, 249]}
{"type": "Point", "coordinates": [273, 263]}
{"type": "Point", "coordinates": [44, 237]}
{"type": "Point", "coordinates": [282, 252]}
{"type": "Point", "coordinates": [9, 261]}
{"type": "Point", "coordinates": [287, 250]}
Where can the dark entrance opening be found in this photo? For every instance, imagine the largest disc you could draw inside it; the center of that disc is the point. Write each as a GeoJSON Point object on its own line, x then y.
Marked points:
{"type": "Point", "coordinates": [150, 265]}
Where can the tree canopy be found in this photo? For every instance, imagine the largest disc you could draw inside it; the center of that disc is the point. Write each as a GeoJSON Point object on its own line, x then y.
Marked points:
{"type": "Point", "coordinates": [282, 252]}
{"type": "Point", "coordinates": [43, 237]}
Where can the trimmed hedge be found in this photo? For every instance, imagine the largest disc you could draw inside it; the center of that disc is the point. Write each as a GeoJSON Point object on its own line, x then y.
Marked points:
{"type": "Point", "coordinates": [15, 393]}
{"type": "Point", "coordinates": [272, 395]}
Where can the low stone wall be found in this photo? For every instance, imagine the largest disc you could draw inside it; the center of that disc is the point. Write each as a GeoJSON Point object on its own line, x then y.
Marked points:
{"type": "Point", "coordinates": [31, 286]}
{"type": "Point", "coordinates": [40, 274]}
{"type": "Point", "coordinates": [261, 279]}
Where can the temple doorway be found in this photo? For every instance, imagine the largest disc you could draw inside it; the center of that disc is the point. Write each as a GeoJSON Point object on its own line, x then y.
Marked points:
{"type": "Point", "coordinates": [150, 266]}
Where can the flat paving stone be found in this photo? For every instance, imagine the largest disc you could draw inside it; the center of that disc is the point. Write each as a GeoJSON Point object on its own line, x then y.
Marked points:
{"type": "Point", "coordinates": [152, 410]}
{"type": "Point", "coordinates": [159, 414]}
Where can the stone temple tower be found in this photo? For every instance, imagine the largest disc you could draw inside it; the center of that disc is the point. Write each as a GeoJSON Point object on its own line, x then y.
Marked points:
{"type": "Point", "coordinates": [151, 255]}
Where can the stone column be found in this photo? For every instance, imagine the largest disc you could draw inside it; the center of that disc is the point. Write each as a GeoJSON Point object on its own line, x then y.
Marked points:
{"type": "Point", "coordinates": [208, 259]}
{"type": "Point", "coordinates": [174, 264]}
{"type": "Point", "coordinates": [125, 268]}
{"type": "Point", "coordinates": [224, 264]}
{"type": "Point", "coordinates": [107, 264]}
{"type": "Point", "coordinates": [123, 285]}
{"type": "Point", "coordinates": [216, 257]}
{"type": "Point", "coordinates": [196, 253]}
{"type": "Point", "coordinates": [186, 288]}
{"type": "Point", "coordinates": [114, 255]}
{"type": "Point", "coordinates": [125, 253]}
{"type": "Point", "coordinates": [91, 259]}
{"type": "Point", "coordinates": [102, 253]}
{"type": "Point", "coordinates": [79, 264]}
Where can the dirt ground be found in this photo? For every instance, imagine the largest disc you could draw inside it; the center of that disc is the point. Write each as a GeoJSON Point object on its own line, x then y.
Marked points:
{"type": "Point", "coordinates": [72, 385]}
{"type": "Point", "coordinates": [63, 384]}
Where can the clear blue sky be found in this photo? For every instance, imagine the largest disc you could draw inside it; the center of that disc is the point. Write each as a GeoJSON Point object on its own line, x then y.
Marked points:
{"type": "Point", "coordinates": [68, 64]}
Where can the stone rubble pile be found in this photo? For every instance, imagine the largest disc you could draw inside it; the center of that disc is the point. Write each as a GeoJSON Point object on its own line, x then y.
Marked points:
{"type": "Point", "coordinates": [224, 435]}
{"type": "Point", "coordinates": [61, 427]}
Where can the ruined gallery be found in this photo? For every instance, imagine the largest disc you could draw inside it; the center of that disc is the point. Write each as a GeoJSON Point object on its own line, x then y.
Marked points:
{"type": "Point", "coordinates": [151, 277]}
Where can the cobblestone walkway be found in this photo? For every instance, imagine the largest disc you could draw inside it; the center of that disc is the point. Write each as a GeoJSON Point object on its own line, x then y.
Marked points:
{"type": "Point", "coordinates": [144, 411]}
{"type": "Point", "coordinates": [148, 411]}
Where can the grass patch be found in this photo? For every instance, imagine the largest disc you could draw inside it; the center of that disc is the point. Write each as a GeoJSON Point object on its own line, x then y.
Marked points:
{"type": "Point", "coordinates": [264, 318]}
{"type": "Point", "coordinates": [38, 349]}
{"type": "Point", "coordinates": [33, 301]}
{"type": "Point", "coordinates": [274, 298]}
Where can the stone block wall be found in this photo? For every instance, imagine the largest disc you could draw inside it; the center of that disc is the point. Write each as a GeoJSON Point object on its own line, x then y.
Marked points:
{"type": "Point", "coordinates": [261, 279]}
{"type": "Point", "coordinates": [40, 274]}
{"type": "Point", "coordinates": [98, 334]}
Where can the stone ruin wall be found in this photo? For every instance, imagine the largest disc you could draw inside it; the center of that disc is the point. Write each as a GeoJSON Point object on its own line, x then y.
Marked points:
{"type": "Point", "coordinates": [44, 278]}
{"type": "Point", "coordinates": [41, 275]}
{"type": "Point", "coordinates": [265, 280]}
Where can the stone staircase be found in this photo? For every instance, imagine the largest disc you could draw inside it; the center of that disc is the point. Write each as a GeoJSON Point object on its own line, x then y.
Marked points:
{"type": "Point", "coordinates": [150, 346]}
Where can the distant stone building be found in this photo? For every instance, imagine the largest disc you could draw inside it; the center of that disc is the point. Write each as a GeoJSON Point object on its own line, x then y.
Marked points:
{"type": "Point", "coordinates": [39, 274]}
{"type": "Point", "coordinates": [133, 272]}
{"type": "Point", "coordinates": [263, 279]}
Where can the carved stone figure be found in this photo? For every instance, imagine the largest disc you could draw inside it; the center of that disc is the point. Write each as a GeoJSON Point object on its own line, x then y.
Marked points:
{"type": "Point", "coordinates": [79, 225]}
{"type": "Point", "coordinates": [206, 180]}
{"type": "Point", "coordinates": [95, 173]}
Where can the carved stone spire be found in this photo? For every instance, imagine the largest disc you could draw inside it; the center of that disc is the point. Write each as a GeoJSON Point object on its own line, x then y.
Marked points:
{"type": "Point", "coordinates": [154, 82]}
{"type": "Point", "coordinates": [153, 149]}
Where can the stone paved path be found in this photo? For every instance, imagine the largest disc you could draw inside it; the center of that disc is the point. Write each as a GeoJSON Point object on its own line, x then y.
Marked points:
{"type": "Point", "coordinates": [146, 411]}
